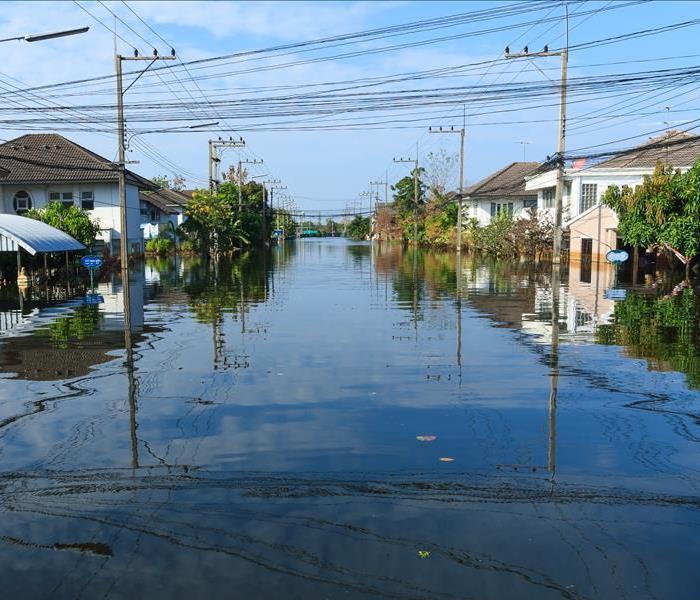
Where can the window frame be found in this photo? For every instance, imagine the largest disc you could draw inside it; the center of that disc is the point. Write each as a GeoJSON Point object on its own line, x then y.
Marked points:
{"type": "Point", "coordinates": [28, 199]}
{"type": "Point", "coordinates": [548, 197]}
{"type": "Point", "coordinates": [587, 202]}
{"type": "Point", "coordinates": [89, 199]}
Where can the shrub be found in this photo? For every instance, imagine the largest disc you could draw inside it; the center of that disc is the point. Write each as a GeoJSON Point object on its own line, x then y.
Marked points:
{"type": "Point", "coordinates": [160, 246]}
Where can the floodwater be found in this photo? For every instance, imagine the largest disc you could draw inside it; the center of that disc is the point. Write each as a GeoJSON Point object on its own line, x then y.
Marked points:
{"type": "Point", "coordinates": [341, 420]}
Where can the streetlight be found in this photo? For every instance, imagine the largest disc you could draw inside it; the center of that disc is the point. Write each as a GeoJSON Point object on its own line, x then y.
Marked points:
{"type": "Point", "coordinates": [40, 37]}
{"type": "Point", "coordinates": [179, 128]}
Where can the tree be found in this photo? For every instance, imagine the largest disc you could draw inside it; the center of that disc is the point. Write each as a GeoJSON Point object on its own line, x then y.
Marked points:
{"type": "Point", "coordinates": [72, 220]}
{"type": "Point", "coordinates": [404, 193]}
{"type": "Point", "coordinates": [441, 170]}
{"type": "Point", "coordinates": [358, 228]}
{"type": "Point", "coordinates": [177, 183]}
{"type": "Point", "coordinates": [662, 212]}
{"type": "Point", "coordinates": [212, 224]}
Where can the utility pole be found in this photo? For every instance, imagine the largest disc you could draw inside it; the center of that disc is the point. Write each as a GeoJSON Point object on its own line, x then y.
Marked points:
{"type": "Point", "coordinates": [124, 234]}
{"type": "Point", "coordinates": [263, 210]}
{"type": "Point", "coordinates": [561, 143]}
{"type": "Point", "coordinates": [214, 159]}
{"type": "Point", "coordinates": [239, 178]}
{"type": "Point", "coordinates": [461, 132]}
{"type": "Point", "coordinates": [415, 191]}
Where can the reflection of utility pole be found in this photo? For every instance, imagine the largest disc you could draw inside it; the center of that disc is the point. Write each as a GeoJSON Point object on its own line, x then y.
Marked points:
{"type": "Point", "coordinates": [554, 371]}
{"type": "Point", "coordinates": [130, 375]}
{"type": "Point", "coordinates": [561, 145]}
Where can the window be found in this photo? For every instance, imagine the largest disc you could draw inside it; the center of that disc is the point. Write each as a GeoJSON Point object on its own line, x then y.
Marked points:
{"type": "Point", "coordinates": [54, 196]}
{"type": "Point", "coordinates": [589, 196]}
{"type": "Point", "coordinates": [67, 199]}
{"type": "Point", "coordinates": [22, 202]}
{"type": "Point", "coordinates": [498, 208]}
{"type": "Point", "coordinates": [586, 259]}
{"type": "Point", "coordinates": [87, 200]}
{"type": "Point", "coordinates": [548, 197]}
{"type": "Point", "coordinates": [530, 203]}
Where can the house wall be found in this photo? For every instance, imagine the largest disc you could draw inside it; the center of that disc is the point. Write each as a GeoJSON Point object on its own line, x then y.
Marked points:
{"type": "Point", "coordinates": [106, 208]}
{"type": "Point", "coordinates": [586, 227]}
{"type": "Point", "coordinates": [480, 208]}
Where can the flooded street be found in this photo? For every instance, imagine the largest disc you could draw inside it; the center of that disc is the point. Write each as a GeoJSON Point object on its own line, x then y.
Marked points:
{"type": "Point", "coordinates": [348, 420]}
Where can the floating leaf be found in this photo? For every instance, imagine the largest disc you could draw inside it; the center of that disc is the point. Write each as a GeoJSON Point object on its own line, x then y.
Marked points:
{"type": "Point", "coordinates": [446, 459]}
{"type": "Point", "coordinates": [426, 438]}
{"type": "Point", "coordinates": [423, 553]}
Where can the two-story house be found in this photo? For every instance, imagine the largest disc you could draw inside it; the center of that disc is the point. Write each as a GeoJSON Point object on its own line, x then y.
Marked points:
{"type": "Point", "coordinates": [36, 169]}
{"type": "Point", "coordinates": [592, 226]}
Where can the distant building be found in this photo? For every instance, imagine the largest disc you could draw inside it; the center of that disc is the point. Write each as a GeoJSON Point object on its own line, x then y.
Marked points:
{"type": "Point", "coordinates": [161, 210]}
{"type": "Point", "coordinates": [585, 184]}
{"type": "Point", "coordinates": [501, 192]}
{"type": "Point", "coordinates": [36, 169]}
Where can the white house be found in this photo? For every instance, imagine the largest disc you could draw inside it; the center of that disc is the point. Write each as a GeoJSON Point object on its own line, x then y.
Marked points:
{"type": "Point", "coordinates": [36, 169]}
{"type": "Point", "coordinates": [583, 214]}
{"type": "Point", "coordinates": [161, 210]}
{"type": "Point", "coordinates": [501, 192]}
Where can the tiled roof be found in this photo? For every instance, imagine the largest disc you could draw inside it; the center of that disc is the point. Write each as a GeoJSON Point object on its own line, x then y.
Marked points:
{"type": "Point", "coordinates": [676, 148]}
{"type": "Point", "coordinates": [509, 181]}
{"type": "Point", "coordinates": [50, 158]}
{"type": "Point", "coordinates": [168, 201]}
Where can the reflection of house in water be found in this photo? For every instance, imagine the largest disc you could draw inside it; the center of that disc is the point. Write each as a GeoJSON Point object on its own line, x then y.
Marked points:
{"type": "Point", "coordinates": [60, 342]}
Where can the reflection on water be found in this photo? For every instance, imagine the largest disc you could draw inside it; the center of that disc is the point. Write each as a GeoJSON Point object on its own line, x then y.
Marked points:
{"type": "Point", "coordinates": [258, 429]}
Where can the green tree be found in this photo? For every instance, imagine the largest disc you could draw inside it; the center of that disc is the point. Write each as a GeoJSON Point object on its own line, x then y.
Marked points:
{"type": "Point", "coordinates": [662, 212]}
{"type": "Point", "coordinates": [404, 193]}
{"type": "Point", "coordinates": [74, 221]}
{"type": "Point", "coordinates": [358, 228]}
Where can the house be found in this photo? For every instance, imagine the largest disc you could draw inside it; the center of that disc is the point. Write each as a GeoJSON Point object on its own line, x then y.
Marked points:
{"type": "Point", "coordinates": [161, 210]}
{"type": "Point", "coordinates": [36, 169]}
{"type": "Point", "coordinates": [593, 227]}
{"type": "Point", "coordinates": [501, 192]}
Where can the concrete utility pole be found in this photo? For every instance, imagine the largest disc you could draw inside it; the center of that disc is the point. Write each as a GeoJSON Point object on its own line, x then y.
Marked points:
{"type": "Point", "coordinates": [263, 209]}
{"type": "Point", "coordinates": [214, 159]}
{"type": "Point", "coordinates": [123, 238]}
{"type": "Point", "coordinates": [561, 143]}
{"type": "Point", "coordinates": [415, 191]}
{"type": "Point", "coordinates": [461, 132]}
{"type": "Point", "coordinates": [239, 177]}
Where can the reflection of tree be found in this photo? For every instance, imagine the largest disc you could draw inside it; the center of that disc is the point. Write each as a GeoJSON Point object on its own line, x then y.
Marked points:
{"type": "Point", "coordinates": [80, 324]}
{"type": "Point", "coordinates": [665, 331]}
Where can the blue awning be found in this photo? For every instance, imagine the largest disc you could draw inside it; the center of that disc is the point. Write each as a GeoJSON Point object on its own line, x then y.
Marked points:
{"type": "Point", "coordinates": [34, 236]}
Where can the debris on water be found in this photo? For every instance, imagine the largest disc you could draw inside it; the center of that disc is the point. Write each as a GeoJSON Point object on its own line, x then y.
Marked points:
{"type": "Point", "coordinates": [446, 459]}
{"type": "Point", "coordinates": [426, 438]}
{"type": "Point", "coordinates": [423, 553]}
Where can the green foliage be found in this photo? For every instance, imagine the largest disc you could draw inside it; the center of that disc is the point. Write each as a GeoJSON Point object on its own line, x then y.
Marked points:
{"type": "Point", "coordinates": [161, 246]}
{"type": "Point", "coordinates": [665, 331]}
{"type": "Point", "coordinates": [79, 325]}
{"type": "Point", "coordinates": [495, 238]}
{"type": "Point", "coordinates": [72, 220]}
{"type": "Point", "coordinates": [663, 210]}
{"type": "Point", "coordinates": [212, 224]}
{"type": "Point", "coordinates": [404, 193]}
{"type": "Point", "coordinates": [358, 228]}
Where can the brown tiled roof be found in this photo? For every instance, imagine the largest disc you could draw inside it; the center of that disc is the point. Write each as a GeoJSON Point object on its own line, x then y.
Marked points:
{"type": "Point", "coordinates": [165, 200]}
{"type": "Point", "coordinates": [42, 158]}
{"type": "Point", "coordinates": [509, 181]}
{"type": "Point", "coordinates": [676, 148]}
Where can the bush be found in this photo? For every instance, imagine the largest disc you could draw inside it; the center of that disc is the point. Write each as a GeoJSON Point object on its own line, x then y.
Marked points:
{"type": "Point", "coordinates": [160, 246]}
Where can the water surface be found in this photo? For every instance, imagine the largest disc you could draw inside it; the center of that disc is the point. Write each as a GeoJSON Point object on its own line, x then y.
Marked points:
{"type": "Point", "coordinates": [260, 436]}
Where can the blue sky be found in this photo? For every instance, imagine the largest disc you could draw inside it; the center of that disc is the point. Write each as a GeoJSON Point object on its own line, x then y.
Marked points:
{"type": "Point", "coordinates": [324, 169]}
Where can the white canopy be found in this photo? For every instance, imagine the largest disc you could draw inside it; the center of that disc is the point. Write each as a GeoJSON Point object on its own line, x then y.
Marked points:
{"type": "Point", "coordinates": [34, 236]}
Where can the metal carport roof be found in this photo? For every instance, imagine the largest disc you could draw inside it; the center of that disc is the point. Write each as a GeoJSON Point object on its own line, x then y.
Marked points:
{"type": "Point", "coordinates": [34, 236]}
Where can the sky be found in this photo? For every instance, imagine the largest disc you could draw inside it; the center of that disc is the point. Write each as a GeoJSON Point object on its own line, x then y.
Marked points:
{"type": "Point", "coordinates": [322, 169]}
